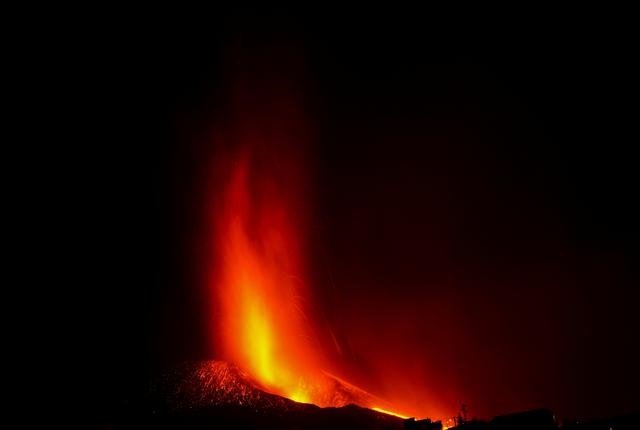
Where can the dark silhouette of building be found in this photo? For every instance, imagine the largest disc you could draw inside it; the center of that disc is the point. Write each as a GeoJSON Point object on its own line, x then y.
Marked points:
{"type": "Point", "coordinates": [473, 424]}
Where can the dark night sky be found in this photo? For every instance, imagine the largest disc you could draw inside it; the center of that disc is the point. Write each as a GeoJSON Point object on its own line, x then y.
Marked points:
{"type": "Point", "coordinates": [475, 190]}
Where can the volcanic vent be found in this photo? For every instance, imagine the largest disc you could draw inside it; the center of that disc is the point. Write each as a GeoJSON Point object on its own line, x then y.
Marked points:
{"type": "Point", "coordinates": [208, 393]}
{"type": "Point", "coordinates": [206, 384]}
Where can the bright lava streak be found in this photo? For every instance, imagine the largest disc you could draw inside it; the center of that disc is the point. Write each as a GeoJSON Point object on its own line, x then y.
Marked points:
{"type": "Point", "coordinates": [389, 413]}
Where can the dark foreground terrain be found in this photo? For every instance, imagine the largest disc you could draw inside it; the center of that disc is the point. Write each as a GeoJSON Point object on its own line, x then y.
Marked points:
{"type": "Point", "coordinates": [218, 395]}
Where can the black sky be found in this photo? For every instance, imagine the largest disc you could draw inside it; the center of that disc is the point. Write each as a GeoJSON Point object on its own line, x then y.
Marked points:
{"type": "Point", "coordinates": [476, 188]}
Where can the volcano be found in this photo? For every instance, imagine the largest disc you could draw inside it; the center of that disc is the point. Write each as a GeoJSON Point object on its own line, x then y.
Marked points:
{"type": "Point", "coordinates": [217, 394]}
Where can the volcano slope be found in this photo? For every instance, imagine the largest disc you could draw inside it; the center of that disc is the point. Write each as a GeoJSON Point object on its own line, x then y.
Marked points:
{"type": "Point", "coordinates": [219, 395]}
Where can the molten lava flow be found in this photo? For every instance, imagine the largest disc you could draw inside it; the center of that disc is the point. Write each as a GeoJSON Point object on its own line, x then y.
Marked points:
{"type": "Point", "coordinates": [389, 412]}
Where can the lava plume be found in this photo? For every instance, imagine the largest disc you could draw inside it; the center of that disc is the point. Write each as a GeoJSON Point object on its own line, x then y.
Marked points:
{"type": "Point", "coordinates": [261, 301]}
{"type": "Point", "coordinates": [259, 211]}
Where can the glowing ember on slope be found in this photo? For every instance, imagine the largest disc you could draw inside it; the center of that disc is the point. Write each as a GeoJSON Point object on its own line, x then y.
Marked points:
{"type": "Point", "coordinates": [217, 383]}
